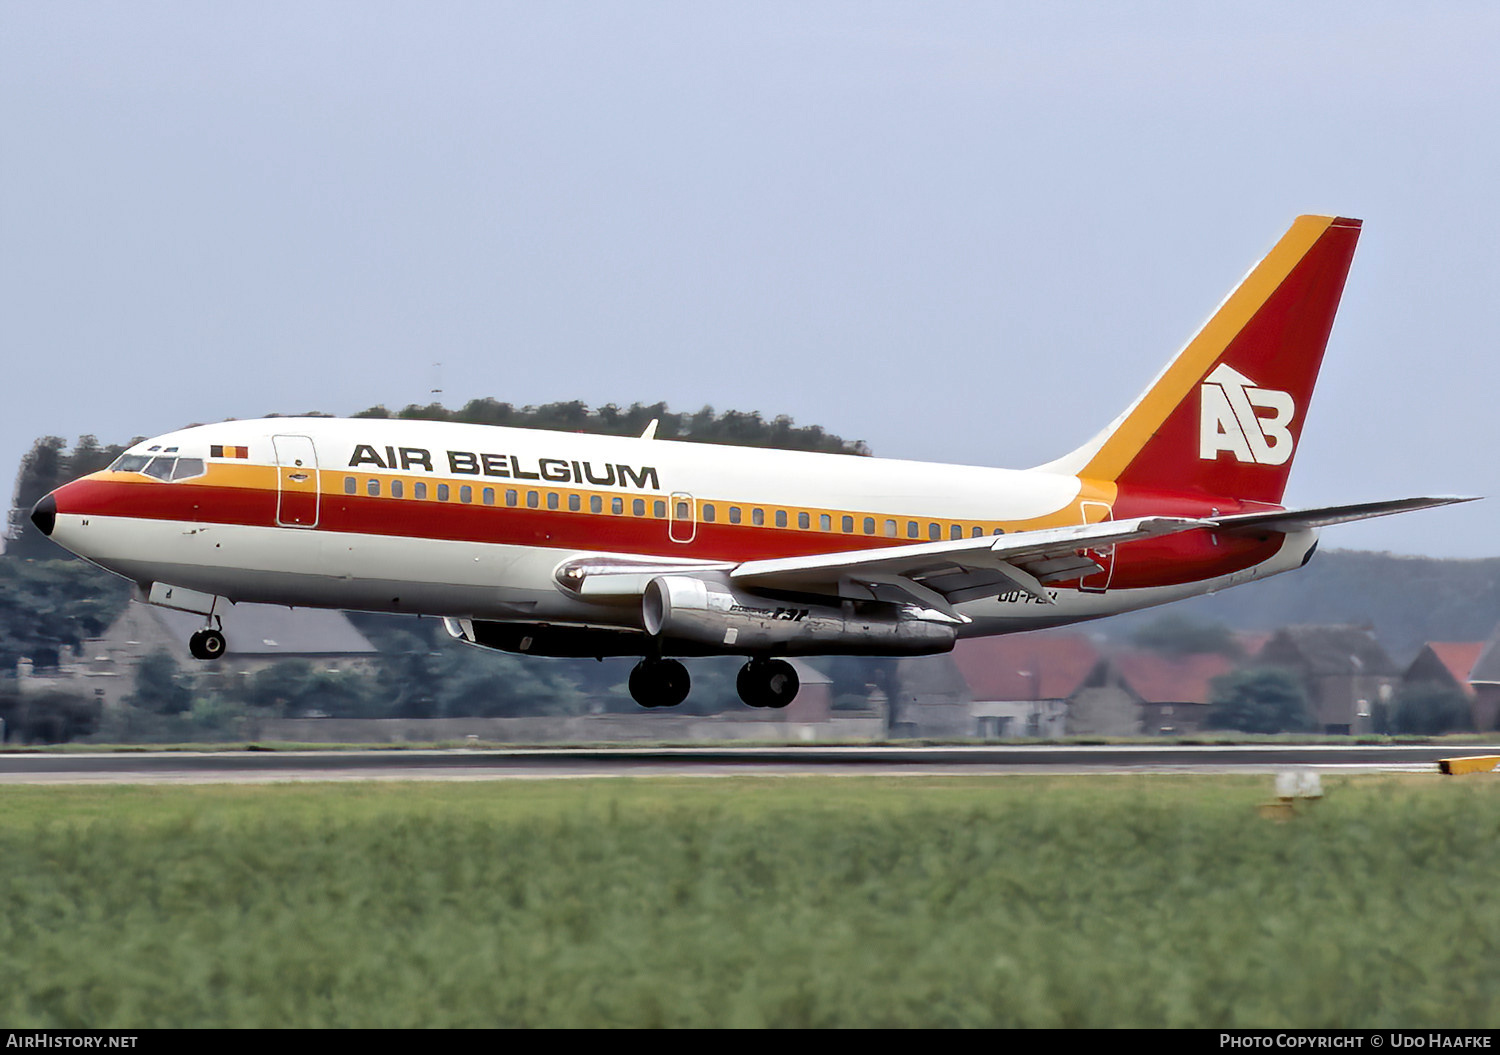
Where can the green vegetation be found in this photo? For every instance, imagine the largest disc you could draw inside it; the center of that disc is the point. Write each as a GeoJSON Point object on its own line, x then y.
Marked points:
{"type": "Point", "coordinates": [1260, 700]}
{"type": "Point", "coordinates": [1426, 709]}
{"type": "Point", "coordinates": [1098, 901]}
{"type": "Point", "coordinates": [1408, 600]}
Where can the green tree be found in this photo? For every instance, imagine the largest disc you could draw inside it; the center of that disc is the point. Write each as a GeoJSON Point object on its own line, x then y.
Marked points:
{"type": "Point", "coordinates": [49, 716]}
{"type": "Point", "coordinates": [1177, 635]}
{"type": "Point", "coordinates": [1429, 710]}
{"type": "Point", "coordinates": [1259, 700]}
{"type": "Point", "coordinates": [161, 686]}
{"type": "Point", "coordinates": [46, 606]}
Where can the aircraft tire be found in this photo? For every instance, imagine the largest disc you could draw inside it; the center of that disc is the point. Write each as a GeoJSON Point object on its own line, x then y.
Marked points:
{"type": "Point", "coordinates": [767, 683]}
{"type": "Point", "coordinates": [207, 644]}
{"type": "Point", "coordinates": [659, 683]}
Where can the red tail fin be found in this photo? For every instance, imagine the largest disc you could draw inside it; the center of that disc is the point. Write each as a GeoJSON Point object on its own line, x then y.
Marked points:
{"type": "Point", "coordinates": [1225, 416]}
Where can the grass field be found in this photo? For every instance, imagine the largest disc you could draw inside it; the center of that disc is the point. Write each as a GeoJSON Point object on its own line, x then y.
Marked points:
{"type": "Point", "coordinates": [1006, 901]}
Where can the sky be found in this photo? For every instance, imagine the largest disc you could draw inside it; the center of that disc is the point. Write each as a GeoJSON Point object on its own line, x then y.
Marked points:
{"type": "Point", "coordinates": [966, 232]}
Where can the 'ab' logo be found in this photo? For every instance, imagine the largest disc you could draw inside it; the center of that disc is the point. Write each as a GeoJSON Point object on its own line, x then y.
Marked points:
{"type": "Point", "coordinates": [1229, 421]}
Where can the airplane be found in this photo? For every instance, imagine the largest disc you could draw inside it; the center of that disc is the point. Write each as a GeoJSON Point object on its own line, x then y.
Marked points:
{"type": "Point", "coordinates": [562, 544]}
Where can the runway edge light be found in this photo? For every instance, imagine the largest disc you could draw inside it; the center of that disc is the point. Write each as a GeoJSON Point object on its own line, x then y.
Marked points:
{"type": "Point", "coordinates": [1291, 785]}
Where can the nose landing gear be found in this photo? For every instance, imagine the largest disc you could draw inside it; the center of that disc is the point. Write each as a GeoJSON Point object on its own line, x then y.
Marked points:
{"type": "Point", "coordinates": [207, 644]}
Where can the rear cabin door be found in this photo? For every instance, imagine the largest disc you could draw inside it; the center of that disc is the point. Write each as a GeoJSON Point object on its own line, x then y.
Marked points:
{"type": "Point", "coordinates": [297, 484]}
{"type": "Point", "coordinates": [1098, 582]}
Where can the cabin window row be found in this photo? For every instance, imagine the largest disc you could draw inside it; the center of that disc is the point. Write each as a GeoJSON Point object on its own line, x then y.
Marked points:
{"type": "Point", "coordinates": [708, 511]}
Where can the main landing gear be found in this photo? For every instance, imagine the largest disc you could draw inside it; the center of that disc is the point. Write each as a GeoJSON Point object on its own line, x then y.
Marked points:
{"type": "Point", "coordinates": [767, 683]}
{"type": "Point", "coordinates": [761, 683]}
{"type": "Point", "coordinates": [659, 683]}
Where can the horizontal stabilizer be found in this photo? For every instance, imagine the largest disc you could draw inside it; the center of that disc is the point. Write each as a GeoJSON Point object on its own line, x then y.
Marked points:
{"type": "Point", "coordinates": [1324, 516]}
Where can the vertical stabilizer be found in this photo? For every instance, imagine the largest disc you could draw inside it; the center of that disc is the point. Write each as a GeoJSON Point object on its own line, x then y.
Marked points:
{"type": "Point", "coordinates": [1225, 417]}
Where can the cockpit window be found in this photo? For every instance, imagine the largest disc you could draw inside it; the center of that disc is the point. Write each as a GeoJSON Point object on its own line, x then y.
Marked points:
{"type": "Point", "coordinates": [161, 467]}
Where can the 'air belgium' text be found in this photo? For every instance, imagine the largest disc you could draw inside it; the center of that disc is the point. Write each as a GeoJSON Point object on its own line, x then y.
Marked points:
{"type": "Point", "coordinates": [509, 467]}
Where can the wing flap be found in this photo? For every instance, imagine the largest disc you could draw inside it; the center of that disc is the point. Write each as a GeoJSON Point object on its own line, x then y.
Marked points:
{"type": "Point", "coordinates": [941, 574]}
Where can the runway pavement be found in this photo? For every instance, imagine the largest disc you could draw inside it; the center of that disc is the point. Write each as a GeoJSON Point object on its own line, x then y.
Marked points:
{"type": "Point", "coordinates": [249, 766]}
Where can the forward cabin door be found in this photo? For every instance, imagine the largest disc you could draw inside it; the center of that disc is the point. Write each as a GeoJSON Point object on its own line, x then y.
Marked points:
{"type": "Point", "coordinates": [682, 517]}
{"type": "Point", "coordinates": [297, 484]}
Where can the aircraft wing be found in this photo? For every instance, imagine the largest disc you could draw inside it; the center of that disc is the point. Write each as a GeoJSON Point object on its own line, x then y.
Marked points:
{"type": "Point", "coordinates": [1323, 516]}
{"type": "Point", "coordinates": [939, 575]}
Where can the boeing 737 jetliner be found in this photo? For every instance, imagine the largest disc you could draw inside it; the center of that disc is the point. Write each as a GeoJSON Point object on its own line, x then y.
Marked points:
{"type": "Point", "coordinates": [559, 544]}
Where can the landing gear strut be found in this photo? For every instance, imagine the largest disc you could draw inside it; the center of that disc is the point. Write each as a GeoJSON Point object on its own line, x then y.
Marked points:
{"type": "Point", "coordinates": [767, 683]}
{"type": "Point", "coordinates": [659, 683]}
{"type": "Point", "coordinates": [207, 644]}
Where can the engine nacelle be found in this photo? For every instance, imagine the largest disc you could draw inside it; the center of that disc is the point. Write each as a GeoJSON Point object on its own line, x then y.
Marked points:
{"type": "Point", "coordinates": [712, 614]}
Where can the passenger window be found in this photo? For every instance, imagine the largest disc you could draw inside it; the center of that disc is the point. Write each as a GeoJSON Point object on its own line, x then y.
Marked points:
{"type": "Point", "coordinates": [466, 493]}
{"type": "Point", "coordinates": [351, 486]}
{"type": "Point", "coordinates": [734, 514]}
{"type": "Point", "coordinates": [638, 507]}
{"type": "Point", "coordinates": [419, 490]}
{"type": "Point", "coordinates": [575, 503]}
{"type": "Point", "coordinates": [511, 497]}
{"type": "Point", "coordinates": [956, 531]}
{"type": "Point", "coordinates": [442, 492]}
{"type": "Point", "coordinates": [372, 487]}
{"type": "Point", "coordinates": [684, 512]}
{"type": "Point", "coordinates": [934, 532]}
{"type": "Point", "coordinates": [825, 522]}
{"type": "Point", "coordinates": [913, 529]}
{"type": "Point", "coordinates": [532, 500]}
{"type": "Point", "coordinates": [848, 525]}
{"type": "Point", "coordinates": [890, 529]}
{"type": "Point", "coordinates": [617, 506]}
{"type": "Point", "coordinates": [489, 496]}
{"type": "Point", "coordinates": [978, 532]}
{"type": "Point", "coordinates": [998, 531]}
{"type": "Point", "coordinates": [781, 518]}
{"type": "Point", "coordinates": [551, 499]}
{"type": "Point", "coordinates": [804, 521]}
{"type": "Point", "coordinates": [659, 509]}
{"type": "Point", "coordinates": [596, 504]}
{"type": "Point", "coordinates": [758, 517]}
{"type": "Point", "coordinates": [869, 525]}
{"type": "Point", "coordinates": [398, 489]}
{"type": "Point", "coordinates": [708, 513]}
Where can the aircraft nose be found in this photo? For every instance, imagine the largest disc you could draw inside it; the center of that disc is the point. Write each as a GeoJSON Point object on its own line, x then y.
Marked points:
{"type": "Point", "coordinates": [44, 515]}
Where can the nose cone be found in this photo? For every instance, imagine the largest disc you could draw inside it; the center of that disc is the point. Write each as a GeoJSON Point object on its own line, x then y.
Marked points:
{"type": "Point", "coordinates": [44, 515]}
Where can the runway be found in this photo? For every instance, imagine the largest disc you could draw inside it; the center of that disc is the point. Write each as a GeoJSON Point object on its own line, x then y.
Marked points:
{"type": "Point", "coordinates": [260, 766]}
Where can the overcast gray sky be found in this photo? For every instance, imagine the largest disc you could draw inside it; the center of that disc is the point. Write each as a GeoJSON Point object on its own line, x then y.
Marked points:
{"type": "Point", "coordinates": [959, 231]}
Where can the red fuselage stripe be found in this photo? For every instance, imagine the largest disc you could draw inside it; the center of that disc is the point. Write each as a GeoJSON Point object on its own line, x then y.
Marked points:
{"type": "Point", "coordinates": [1164, 561]}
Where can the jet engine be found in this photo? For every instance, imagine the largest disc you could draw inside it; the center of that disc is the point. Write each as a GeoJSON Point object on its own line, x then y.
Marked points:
{"type": "Point", "coordinates": [712, 614]}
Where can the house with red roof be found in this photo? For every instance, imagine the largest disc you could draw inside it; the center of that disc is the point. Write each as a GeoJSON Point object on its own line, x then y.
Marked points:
{"type": "Point", "coordinates": [1019, 686]}
{"type": "Point", "coordinates": [1163, 695]}
{"type": "Point", "coordinates": [1445, 663]}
